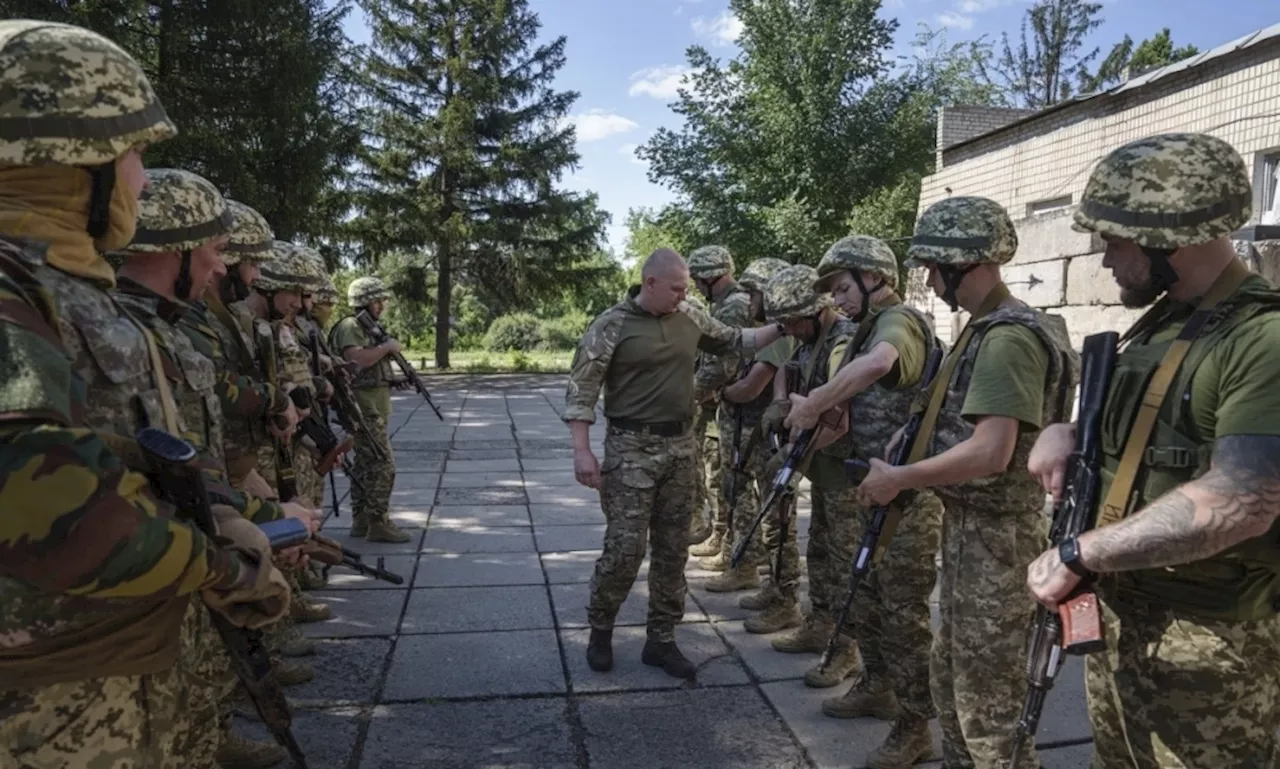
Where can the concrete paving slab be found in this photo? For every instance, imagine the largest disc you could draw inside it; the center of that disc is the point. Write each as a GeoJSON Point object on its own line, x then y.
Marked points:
{"type": "Point", "coordinates": [370, 549]}
{"type": "Point", "coordinates": [504, 734]}
{"type": "Point", "coordinates": [552, 539]}
{"type": "Point", "coordinates": [475, 665]}
{"type": "Point", "coordinates": [538, 464]}
{"type": "Point", "coordinates": [342, 578]}
{"type": "Point", "coordinates": [719, 607]}
{"type": "Point", "coordinates": [479, 539]}
{"type": "Point", "coordinates": [570, 605]}
{"type": "Point", "coordinates": [566, 515]}
{"type": "Point", "coordinates": [578, 566]}
{"type": "Point", "coordinates": [475, 609]}
{"type": "Point", "coordinates": [482, 466]}
{"type": "Point", "coordinates": [417, 462]}
{"type": "Point", "coordinates": [478, 570]}
{"type": "Point", "coordinates": [464, 516]}
{"type": "Point", "coordinates": [327, 737]}
{"type": "Point", "coordinates": [461, 442]}
{"type": "Point", "coordinates": [487, 496]}
{"type": "Point", "coordinates": [555, 479]}
{"type": "Point", "coordinates": [720, 728]}
{"type": "Point", "coordinates": [698, 642]}
{"type": "Point", "coordinates": [462, 455]}
{"type": "Point", "coordinates": [577, 496]}
{"type": "Point", "coordinates": [357, 613]}
{"type": "Point", "coordinates": [762, 659]}
{"type": "Point", "coordinates": [349, 672]}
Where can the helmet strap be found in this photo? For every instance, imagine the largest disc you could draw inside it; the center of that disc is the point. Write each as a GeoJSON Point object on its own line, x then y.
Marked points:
{"type": "Point", "coordinates": [232, 288]}
{"type": "Point", "coordinates": [1162, 273]}
{"type": "Point", "coordinates": [952, 276]}
{"type": "Point", "coordinates": [866, 294]}
{"type": "Point", "coordinates": [182, 286]}
{"type": "Point", "coordinates": [102, 185]}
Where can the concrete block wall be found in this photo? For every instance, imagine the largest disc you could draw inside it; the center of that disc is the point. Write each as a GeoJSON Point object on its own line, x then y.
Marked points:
{"type": "Point", "coordinates": [1049, 157]}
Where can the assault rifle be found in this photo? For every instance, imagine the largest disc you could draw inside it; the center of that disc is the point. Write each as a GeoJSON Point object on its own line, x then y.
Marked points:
{"type": "Point", "coordinates": [316, 427]}
{"type": "Point", "coordinates": [737, 469]}
{"type": "Point", "coordinates": [1076, 628]}
{"type": "Point", "coordinates": [290, 532]}
{"type": "Point", "coordinates": [854, 471]}
{"type": "Point", "coordinates": [350, 415]}
{"type": "Point", "coordinates": [286, 478]}
{"type": "Point", "coordinates": [377, 335]}
{"type": "Point", "coordinates": [179, 480]}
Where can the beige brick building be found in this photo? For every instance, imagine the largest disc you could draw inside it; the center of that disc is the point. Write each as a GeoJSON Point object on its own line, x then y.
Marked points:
{"type": "Point", "coordinates": [1036, 165]}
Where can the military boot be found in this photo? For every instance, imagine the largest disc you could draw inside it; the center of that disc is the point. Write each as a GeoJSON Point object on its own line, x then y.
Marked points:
{"type": "Point", "coordinates": [600, 650]}
{"type": "Point", "coordinates": [666, 655]}
{"type": "Point", "coordinates": [294, 644]}
{"type": "Point", "coordinates": [710, 546]}
{"type": "Point", "coordinates": [866, 697]}
{"type": "Point", "coordinates": [292, 673]}
{"type": "Point", "coordinates": [779, 616]}
{"type": "Point", "coordinates": [810, 638]}
{"type": "Point", "coordinates": [359, 525]}
{"type": "Point", "coordinates": [766, 596]}
{"type": "Point", "coordinates": [732, 580]}
{"type": "Point", "coordinates": [700, 528]}
{"type": "Point", "coordinates": [303, 609]}
{"type": "Point", "coordinates": [845, 662]}
{"type": "Point", "coordinates": [385, 530]}
{"type": "Point", "coordinates": [908, 742]}
{"type": "Point", "coordinates": [236, 752]}
{"type": "Point", "coordinates": [309, 579]}
{"type": "Point", "coordinates": [721, 560]}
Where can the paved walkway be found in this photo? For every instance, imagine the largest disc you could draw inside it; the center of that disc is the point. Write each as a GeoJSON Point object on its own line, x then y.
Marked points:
{"type": "Point", "coordinates": [478, 660]}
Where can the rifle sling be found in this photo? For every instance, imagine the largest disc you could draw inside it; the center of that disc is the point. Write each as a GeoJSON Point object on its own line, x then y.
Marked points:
{"type": "Point", "coordinates": [220, 311]}
{"type": "Point", "coordinates": [158, 377]}
{"type": "Point", "coordinates": [1117, 500]}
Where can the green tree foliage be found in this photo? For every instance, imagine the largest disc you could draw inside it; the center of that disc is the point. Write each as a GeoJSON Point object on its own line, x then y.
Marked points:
{"type": "Point", "coordinates": [1045, 68]}
{"type": "Point", "coordinates": [1127, 61]}
{"type": "Point", "coordinates": [468, 140]}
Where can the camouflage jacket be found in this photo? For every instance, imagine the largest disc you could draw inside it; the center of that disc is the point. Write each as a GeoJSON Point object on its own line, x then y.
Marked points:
{"type": "Point", "coordinates": [841, 331]}
{"type": "Point", "coordinates": [348, 333]}
{"type": "Point", "coordinates": [1015, 489]}
{"type": "Point", "coordinates": [246, 401]}
{"type": "Point", "coordinates": [733, 308]}
{"type": "Point", "coordinates": [87, 550]}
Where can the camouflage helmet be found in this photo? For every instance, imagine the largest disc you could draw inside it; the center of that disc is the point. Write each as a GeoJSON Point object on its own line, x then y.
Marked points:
{"type": "Point", "coordinates": [315, 262]}
{"type": "Point", "coordinates": [861, 253]}
{"type": "Point", "coordinates": [327, 293]}
{"type": "Point", "coordinates": [180, 211]}
{"type": "Point", "coordinates": [790, 295]}
{"type": "Point", "coordinates": [364, 290]}
{"type": "Point", "coordinates": [286, 270]}
{"type": "Point", "coordinates": [963, 230]}
{"type": "Point", "coordinates": [251, 236]}
{"type": "Point", "coordinates": [72, 97]}
{"type": "Point", "coordinates": [1168, 191]}
{"type": "Point", "coordinates": [757, 274]}
{"type": "Point", "coordinates": [710, 262]}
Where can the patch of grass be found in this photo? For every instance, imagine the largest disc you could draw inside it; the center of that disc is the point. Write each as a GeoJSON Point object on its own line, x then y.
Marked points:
{"type": "Point", "coordinates": [485, 362]}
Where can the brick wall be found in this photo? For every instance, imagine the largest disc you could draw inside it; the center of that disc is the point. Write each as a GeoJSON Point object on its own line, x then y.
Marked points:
{"type": "Point", "coordinates": [1051, 157]}
{"type": "Point", "coordinates": [956, 124]}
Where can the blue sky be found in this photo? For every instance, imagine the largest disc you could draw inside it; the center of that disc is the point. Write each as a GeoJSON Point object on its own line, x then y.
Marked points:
{"type": "Point", "coordinates": [625, 58]}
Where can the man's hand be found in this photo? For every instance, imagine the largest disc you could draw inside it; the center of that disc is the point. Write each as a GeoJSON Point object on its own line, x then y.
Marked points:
{"type": "Point", "coordinates": [307, 515]}
{"type": "Point", "coordinates": [586, 469]}
{"type": "Point", "coordinates": [1049, 580]}
{"type": "Point", "coordinates": [256, 485]}
{"type": "Point", "coordinates": [882, 484]}
{"type": "Point", "coordinates": [291, 420]}
{"type": "Point", "coordinates": [804, 413]}
{"type": "Point", "coordinates": [1048, 460]}
{"type": "Point", "coordinates": [391, 346]}
{"type": "Point", "coordinates": [294, 556]}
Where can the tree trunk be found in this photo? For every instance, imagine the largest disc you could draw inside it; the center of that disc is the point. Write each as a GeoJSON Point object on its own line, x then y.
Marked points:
{"type": "Point", "coordinates": [444, 291]}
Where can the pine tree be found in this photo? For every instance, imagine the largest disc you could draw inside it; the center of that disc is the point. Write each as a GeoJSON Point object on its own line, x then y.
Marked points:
{"type": "Point", "coordinates": [468, 139]}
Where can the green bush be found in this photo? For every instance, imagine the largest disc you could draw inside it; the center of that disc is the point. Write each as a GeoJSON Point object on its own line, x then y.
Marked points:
{"type": "Point", "coordinates": [562, 333]}
{"type": "Point", "coordinates": [518, 331]}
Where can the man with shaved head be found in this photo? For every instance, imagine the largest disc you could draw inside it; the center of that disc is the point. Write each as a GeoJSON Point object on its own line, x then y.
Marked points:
{"type": "Point", "coordinates": [641, 352]}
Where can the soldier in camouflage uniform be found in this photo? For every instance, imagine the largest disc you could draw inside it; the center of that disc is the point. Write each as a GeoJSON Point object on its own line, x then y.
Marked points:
{"type": "Point", "coordinates": [811, 320]}
{"type": "Point", "coordinates": [641, 352]}
{"type": "Point", "coordinates": [707, 438]}
{"type": "Point", "coordinates": [98, 615]}
{"type": "Point", "coordinates": [184, 222]}
{"type": "Point", "coordinates": [890, 616]}
{"type": "Point", "coordinates": [1010, 373]}
{"type": "Point", "coordinates": [1191, 672]}
{"type": "Point", "coordinates": [377, 471]}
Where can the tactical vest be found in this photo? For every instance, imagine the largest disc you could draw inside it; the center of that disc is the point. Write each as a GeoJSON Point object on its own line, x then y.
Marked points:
{"type": "Point", "coordinates": [1014, 489]}
{"type": "Point", "coordinates": [1239, 584]}
{"type": "Point", "coordinates": [220, 344]}
{"type": "Point", "coordinates": [826, 469]}
{"type": "Point", "coordinates": [377, 375]}
{"type": "Point", "coordinates": [192, 377]}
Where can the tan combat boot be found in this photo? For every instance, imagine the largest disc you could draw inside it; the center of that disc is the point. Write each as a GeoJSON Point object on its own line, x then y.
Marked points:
{"type": "Point", "coordinates": [866, 697]}
{"type": "Point", "coordinates": [236, 752]}
{"type": "Point", "coordinates": [295, 644]}
{"type": "Point", "coordinates": [908, 742]}
{"type": "Point", "coordinates": [309, 579]}
{"type": "Point", "coordinates": [292, 673]}
{"type": "Point", "coordinates": [846, 661]}
{"type": "Point", "coordinates": [710, 546]}
{"type": "Point", "coordinates": [303, 609]}
{"type": "Point", "coordinates": [700, 528]}
{"type": "Point", "coordinates": [780, 616]}
{"type": "Point", "coordinates": [732, 580]}
{"type": "Point", "coordinates": [386, 531]}
{"type": "Point", "coordinates": [809, 638]}
{"type": "Point", "coordinates": [721, 560]}
{"type": "Point", "coordinates": [766, 596]}
{"type": "Point", "coordinates": [359, 525]}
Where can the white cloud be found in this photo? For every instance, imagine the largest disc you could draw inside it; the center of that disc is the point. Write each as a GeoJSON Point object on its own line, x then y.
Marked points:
{"type": "Point", "coordinates": [630, 151]}
{"type": "Point", "coordinates": [724, 29]}
{"type": "Point", "coordinates": [658, 82]}
{"type": "Point", "coordinates": [594, 125]}
{"type": "Point", "coordinates": [955, 20]}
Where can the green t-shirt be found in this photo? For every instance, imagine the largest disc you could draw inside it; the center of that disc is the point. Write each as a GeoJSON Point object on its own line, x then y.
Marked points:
{"type": "Point", "coordinates": [901, 331]}
{"type": "Point", "coordinates": [778, 353]}
{"type": "Point", "coordinates": [1008, 377]}
{"type": "Point", "coordinates": [372, 400]}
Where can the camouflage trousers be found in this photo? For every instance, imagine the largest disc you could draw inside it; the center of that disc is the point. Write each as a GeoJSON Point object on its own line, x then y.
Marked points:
{"type": "Point", "coordinates": [708, 467]}
{"type": "Point", "coordinates": [890, 616]}
{"type": "Point", "coordinates": [781, 547]}
{"type": "Point", "coordinates": [834, 533]}
{"type": "Point", "coordinates": [742, 512]}
{"type": "Point", "coordinates": [206, 671]}
{"type": "Point", "coordinates": [378, 475]}
{"type": "Point", "coordinates": [979, 654]}
{"type": "Point", "coordinates": [647, 492]}
{"type": "Point", "coordinates": [1172, 690]}
{"type": "Point", "coordinates": [310, 483]}
{"type": "Point", "coordinates": [120, 722]}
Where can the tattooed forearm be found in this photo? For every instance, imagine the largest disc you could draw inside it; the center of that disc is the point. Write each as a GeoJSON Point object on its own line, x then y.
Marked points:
{"type": "Point", "coordinates": [1238, 499]}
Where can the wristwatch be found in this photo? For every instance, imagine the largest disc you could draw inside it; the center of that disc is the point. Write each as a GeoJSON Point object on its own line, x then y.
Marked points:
{"type": "Point", "coordinates": [1069, 552]}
